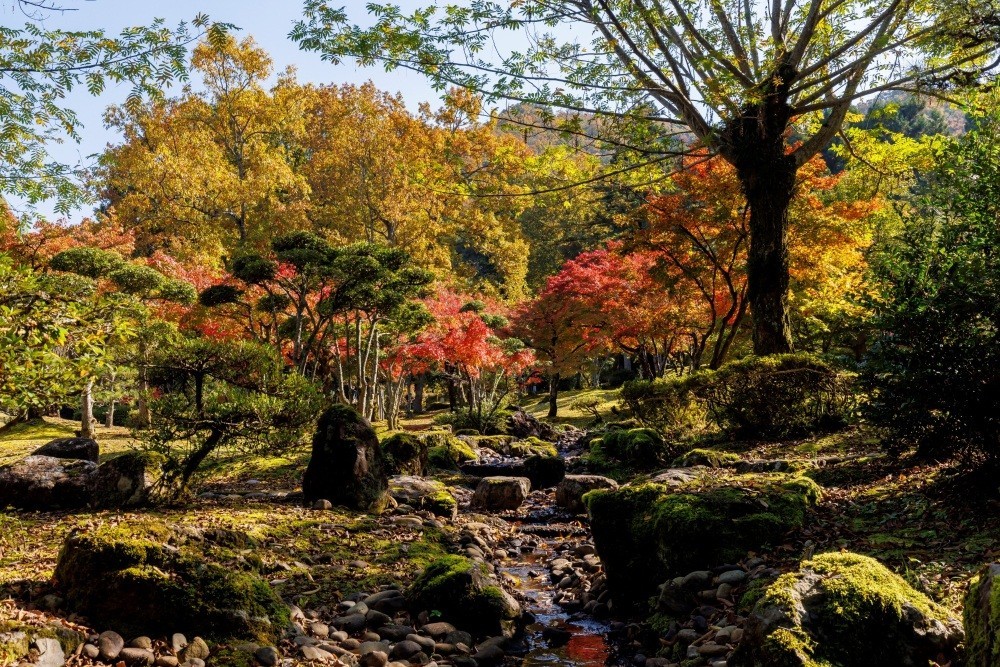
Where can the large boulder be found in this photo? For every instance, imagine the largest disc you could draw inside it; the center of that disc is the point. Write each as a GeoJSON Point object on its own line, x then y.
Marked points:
{"type": "Point", "coordinates": [126, 480]}
{"type": "Point", "coordinates": [84, 449]}
{"type": "Point", "coordinates": [520, 424]}
{"type": "Point", "coordinates": [846, 609]}
{"type": "Point", "coordinates": [425, 494]}
{"type": "Point", "coordinates": [405, 454]}
{"type": "Point", "coordinates": [981, 618]}
{"type": "Point", "coordinates": [501, 493]}
{"type": "Point", "coordinates": [572, 488]}
{"type": "Point", "coordinates": [46, 482]}
{"type": "Point", "coordinates": [650, 532]}
{"type": "Point", "coordinates": [143, 578]}
{"type": "Point", "coordinates": [347, 466]}
{"type": "Point", "coordinates": [462, 592]}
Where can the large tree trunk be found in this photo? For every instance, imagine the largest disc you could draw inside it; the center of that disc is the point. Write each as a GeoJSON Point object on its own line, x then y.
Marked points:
{"type": "Point", "coordinates": [755, 144]}
{"type": "Point", "coordinates": [553, 395]}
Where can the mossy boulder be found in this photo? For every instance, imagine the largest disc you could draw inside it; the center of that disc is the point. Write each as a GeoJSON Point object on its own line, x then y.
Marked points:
{"type": "Point", "coordinates": [127, 480]}
{"type": "Point", "coordinates": [425, 494]}
{"type": "Point", "coordinates": [635, 448]}
{"type": "Point", "coordinates": [47, 482]}
{"type": "Point", "coordinates": [347, 466]}
{"type": "Point", "coordinates": [405, 454]}
{"type": "Point", "coordinates": [650, 532]}
{"type": "Point", "coordinates": [501, 493]}
{"type": "Point", "coordinates": [572, 489]}
{"type": "Point", "coordinates": [532, 447]}
{"type": "Point", "coordinates": [446, 452]}
{"type": "Point", "coordinates": [141, 578]}
{"type": "Point", "coordinates": [707, 457]}
{"type": "Point", "coordinates": [462, 592]}
{"type": "Point", "coordinates": [981, 618]}
{"type": "Point", "coordinates": [846, 610]}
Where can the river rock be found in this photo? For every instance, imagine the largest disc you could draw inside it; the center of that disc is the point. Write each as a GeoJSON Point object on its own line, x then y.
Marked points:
{"type": "Point", "coordinates": [50, 652]}
{"type": "Point", "coordinates": [83, 449]}
{"type": "Point", "coordinates": [347, 466]}
{"type": "Point", "coordinates": [522, 425]}
{"type": "Point", "coordinates": [46, 482]}
{"type": "Point", "coordinates": [570, 492]}
{"type": "Point", "coordinates": [501, 493]}
{"type": "Point", "coordinates": [846, 609]}
{"type": "Point", "coordinates": [110, 644]}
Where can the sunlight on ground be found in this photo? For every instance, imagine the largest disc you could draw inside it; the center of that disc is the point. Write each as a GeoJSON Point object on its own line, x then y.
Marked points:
{"type": "Point", "coordinates": [21, 439]}
{"type": "Point", "coordinates": [570, 406]}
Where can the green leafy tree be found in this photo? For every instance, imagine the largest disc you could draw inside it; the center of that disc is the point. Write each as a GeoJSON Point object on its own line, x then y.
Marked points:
{"type": "Point", "coordinates": [217, 394]}
{"type": "Point", "coordinates": [738, 76]}
{"type": "Point", "coordinates": [933, 371]}
{"type": "Point", "coordinates": [39, 67]}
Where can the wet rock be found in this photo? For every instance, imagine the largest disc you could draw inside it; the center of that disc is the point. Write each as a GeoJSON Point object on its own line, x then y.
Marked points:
{"type": "Point", "coordinates": [570, 492]}
{"type": "Point", "coordinates": [347, 466]}
{"type": "Point", "coordinates": [501, 493]}
{"type": "Point", "coordinates": [83, 449]}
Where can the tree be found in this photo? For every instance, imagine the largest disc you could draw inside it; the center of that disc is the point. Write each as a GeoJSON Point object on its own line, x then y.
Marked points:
{"type": "Point", "coordinates": [737, 75]}
{"type": "Point", "coordinates": [933, 370]}
{"type": "Point", "coordinates": [203, 174]}
{"type": "Point", "coordinates": [39, 67]}
{"type": "Point", "coordinates": [215, 394]}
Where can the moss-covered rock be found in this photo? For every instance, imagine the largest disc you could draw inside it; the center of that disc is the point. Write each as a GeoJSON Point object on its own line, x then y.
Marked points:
{"type": "Point", "coordinates": [446, 452]}
{"type": "Point", "coordinates": [544, 471]}
{"type": "Point", "coordinates": [981, 618]}
{"type": "Point", "coordinates": [127, 480]}
{"type": "Point", "coordinates": [347, 466]}
{"type": "Point", "coordinates": [405, 454]}
{"type": "Point", "coordinates": [461, 591]}
{"type": "Point", "coordinates": [426, 494]}
{"type": "Point", "coordinates": [532, 447]}
{"type": "Point", "coordinates": [846, 610]}
{"type": "Point", "coordinates": [139, 578]}
{"type": "Point", "coordinates": [707, 457]}
{"type": "Point", "coordinates": [636, 448]}
{"type": "Point", "coordinates": [649, 532]}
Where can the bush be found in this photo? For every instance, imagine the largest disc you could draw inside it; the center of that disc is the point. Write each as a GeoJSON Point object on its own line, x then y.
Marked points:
{"type": "Point", "coordinates": [933, 370]}
{"type": "Point", "coordinates": [756, 397]}
{"type": "Point", "coordinates": [636, 448]}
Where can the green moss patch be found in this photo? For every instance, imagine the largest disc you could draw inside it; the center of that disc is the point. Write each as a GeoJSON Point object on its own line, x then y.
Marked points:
{"type": "Point", "coordinates": [649, 532]}
{"type": "Point", "coordinates": [405, 454]}
{"type": "Point", "coordinates": [449, 451]}
{"type": "Point", "coordinates": [460, 590]}
{"type": "Point", "coordinates": [707, 457]}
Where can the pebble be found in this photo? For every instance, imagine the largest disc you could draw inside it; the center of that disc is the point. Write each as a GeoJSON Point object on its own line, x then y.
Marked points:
{"type": "Point", "coordinates": [91, 652]}
{"type": "Point", "coordinates": [141, 642]}
{"type": "Point", "coordinates": [110, 644]}
{"type": "Point", "coordinates": [50, 653]}
{"type": "Point", "coordinates": [197, 649]}
{"type": "Point", "coordinates": [374, 659]}
{"type": "Point", "coordinates": [732, 577]}
{"type": "Point", "coordinates": [177, 642]}
{"type": "Point", "coordinates": [137, 657]}
{"type": "Point", "coordinates": [267, 656]}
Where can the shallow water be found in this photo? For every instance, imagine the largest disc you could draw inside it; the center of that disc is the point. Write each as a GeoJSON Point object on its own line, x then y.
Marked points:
{"type": "Point", "coordinates": [587, 644]}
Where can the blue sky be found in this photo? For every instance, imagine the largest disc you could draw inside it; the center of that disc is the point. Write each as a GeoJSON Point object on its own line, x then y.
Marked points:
{"type": "Point", "coordinates": [267, 21]}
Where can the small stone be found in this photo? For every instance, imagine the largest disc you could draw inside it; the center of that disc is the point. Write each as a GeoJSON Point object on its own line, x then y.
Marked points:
{"type": "Point", "coordinates": [313, 653]}
{"type": "Point", "coordinates": [712, 650]}
{"type": "Point", "coordinates": [322, 504]}
{"type": "Point", "coordinates": [177, 642]}
{"type": "Point", "coordinates": [136, 657]}
{"type": "Point", "coordinates": [732, 577]}
{"type": "Point", "coordinates": [404, 649]}
{"type": "Point", "coordinates": [141, 642]}
{"type": "Point", "coordinates": [91, 652]}
{"type": "Point", "coordinates": [50, 653]}
{"type": "Point", "coordinates": [374, 659]}
{"type": "Point", "coordinates": [724, 591]}
{"type": "Point", "coordinates": [166, 661]}
{"type": "Point", "coordinates": [267, 656]}
{"type": "Point", "coordinates": [110, 644]}
{"type": "Point", "coordinates": [195, 662]}
{"type": "Point", "coordinates": [321, 630]}
{"type": "Point", "coordinates": [196, 649]}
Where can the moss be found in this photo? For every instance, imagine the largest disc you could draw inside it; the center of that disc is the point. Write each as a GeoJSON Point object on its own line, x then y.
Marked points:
{"type": "Point", "coordinates": [754, 592]}
{"type": "Point", "coordinates": [124, 576]}
{"type": "Point", "coordinates": [447, 455]}
{"type": "Point", "coordinates": [859, 613]}
{"type": "Point", "coordinates": [981, 618]}
{"type": "Point", "coordinates": [405, 454]}
{"type": "Point", "coordinates": [460, 590]}
{"type": "Point", "coordinates": [707, 457]}
{"type": "Point", "coordinates": [649, 532]}
{"type": "Point", "coordinates": [467, 431]}
{"type": "Point", "coordinates": [533, 447]}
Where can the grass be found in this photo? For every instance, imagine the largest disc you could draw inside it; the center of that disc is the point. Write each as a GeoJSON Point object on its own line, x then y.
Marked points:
{"type": "Point", "coordinates": [20, 440]}
{"type": "Point", "coordinates": [569, 406]}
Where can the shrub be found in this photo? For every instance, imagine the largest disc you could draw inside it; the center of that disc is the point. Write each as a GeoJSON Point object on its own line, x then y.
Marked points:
{"type": "Point", "coordinates": [774, 396]}
{"type": "Point", "coordinates": [933, 370]}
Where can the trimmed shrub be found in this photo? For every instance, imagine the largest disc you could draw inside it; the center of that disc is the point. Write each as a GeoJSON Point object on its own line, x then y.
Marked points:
{"type": "Point", "coordinates": [756, 397]}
